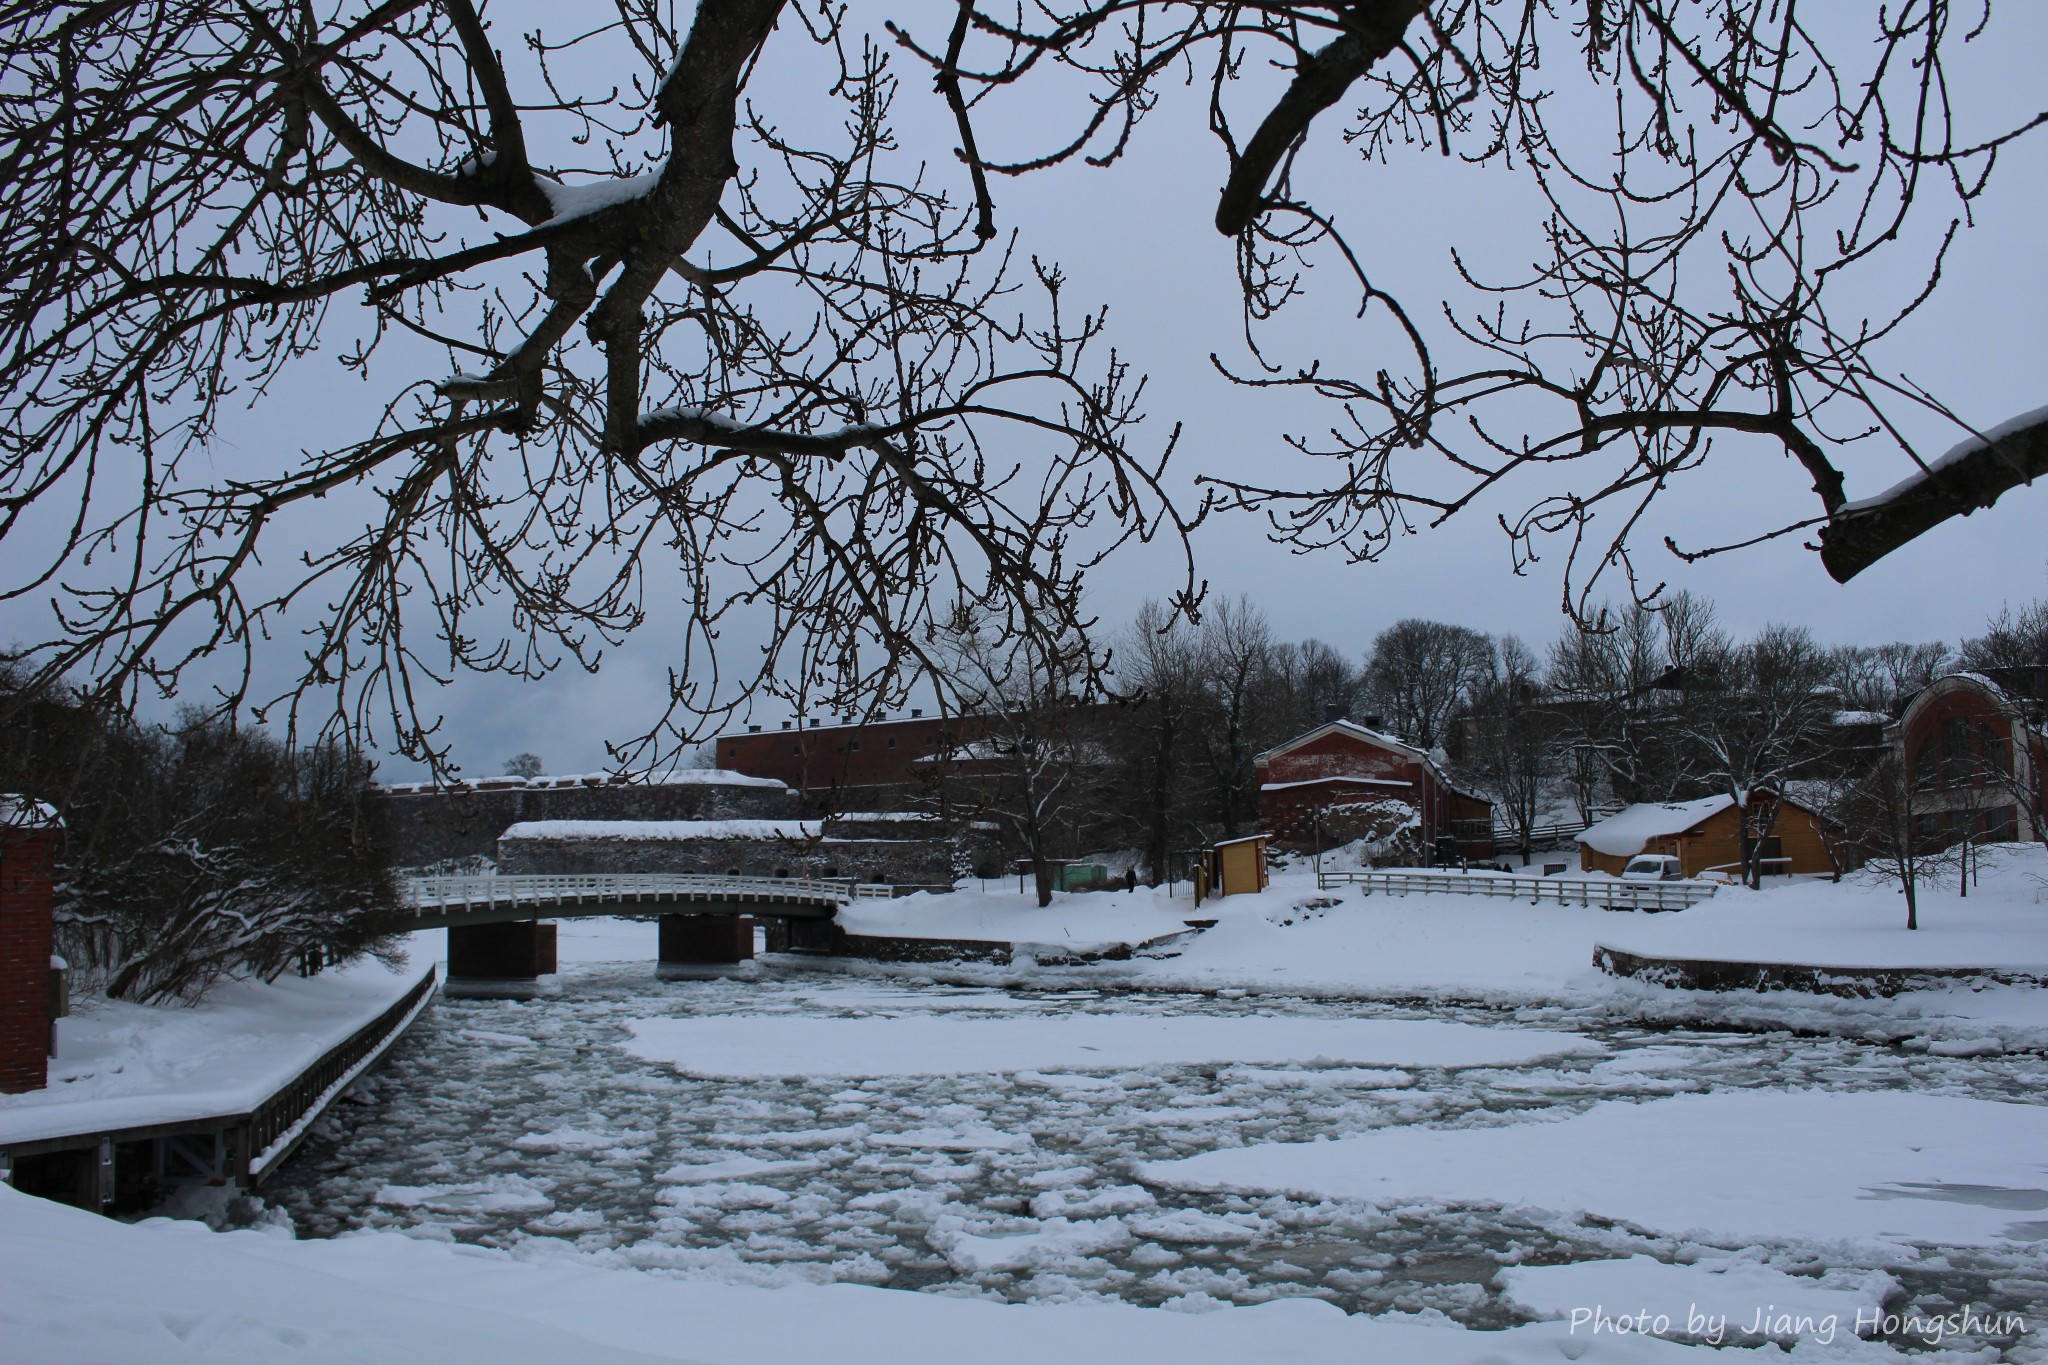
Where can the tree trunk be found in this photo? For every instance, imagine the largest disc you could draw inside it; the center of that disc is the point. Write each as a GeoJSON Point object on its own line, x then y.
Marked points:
{"type": "Point", "coordinates": [1159, 825]}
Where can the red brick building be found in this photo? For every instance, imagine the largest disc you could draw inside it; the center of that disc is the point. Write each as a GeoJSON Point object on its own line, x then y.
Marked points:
{"type": "Point", "coordinates": [815, 756]}
{"type": "Point", "coordinates": [1341, 763]}
{"type": "Point", "coordinates": [1976, 752]}
{"type": "Point", "coordinates": [29, 835]}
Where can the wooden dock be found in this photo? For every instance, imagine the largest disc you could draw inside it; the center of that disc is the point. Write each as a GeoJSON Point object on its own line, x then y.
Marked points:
{"type": "Point", "coordinates": [112, 1168]}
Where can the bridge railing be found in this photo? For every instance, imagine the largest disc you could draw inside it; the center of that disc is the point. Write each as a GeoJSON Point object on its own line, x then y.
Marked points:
{"type": "Point", "coordinates": [1603, 893]}
{"type": "Point", "coordinates": [431, 893]}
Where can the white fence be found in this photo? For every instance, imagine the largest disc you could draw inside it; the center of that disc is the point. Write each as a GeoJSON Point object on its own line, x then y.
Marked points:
{"type": "Point", "coordinates": [625, 888]}
{"type": "Point", "coordinates": [1604, 893]}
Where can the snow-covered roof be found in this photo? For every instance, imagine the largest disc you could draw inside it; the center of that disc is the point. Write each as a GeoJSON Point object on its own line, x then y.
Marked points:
{"type": "Point", "coordinates": [1624, 833]}
{"type": "Point", "coordinates": [25, 812]}
{"type": "Point", "coordinates": [2013, 705]}
{"type": "Point", "coordinates": [665, 830]}
{"type": "Point", "coordinates": [1321, 781]}
{"type": "Point", "coordinates": [1352, 728]}
{"type": "Point", "coordinates": [881, 722]}
{"type": "Point", "coordinates": [1459, 787]}
{"type": "Point", "coordinates": [1244, 839]}
{"type": "Point", "coordinates": [1862, 718]}
{"type": "Point", "coordinates": [678, 777]}
{"type": "Point", "coordinates": [863, 816]}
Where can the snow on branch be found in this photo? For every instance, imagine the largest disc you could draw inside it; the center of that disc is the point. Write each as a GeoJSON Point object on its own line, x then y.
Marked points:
{"type": "Point", "coordinates": [1970, 476]}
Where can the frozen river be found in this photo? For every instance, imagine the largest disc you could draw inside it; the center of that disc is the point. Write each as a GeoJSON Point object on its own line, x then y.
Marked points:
{"type": "Point", "coordinates": [556, 1124]}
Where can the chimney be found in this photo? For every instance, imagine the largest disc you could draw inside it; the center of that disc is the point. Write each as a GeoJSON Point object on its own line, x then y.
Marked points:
{"type": "Point", "coordinates": [1375, 723]}
{"type": "Point", "coordinates": [785, 725]}
{"type": "Point", "coordinates": [753, 729]}
{"type": "Point", "coordinates": [1334, 711]}
{"type": "Point", "coordinates": [916, 712]}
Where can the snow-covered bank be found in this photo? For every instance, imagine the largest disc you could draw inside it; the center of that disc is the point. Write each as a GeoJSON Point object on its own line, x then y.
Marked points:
{"type": "Point", "coordinates": [121, 1065]}
{"type": "Point", "coordinates": [1445, 945]}
{"type": "Point", "coordinates": [184, 1294]}
{"type": "Point", "coordinates": [1861, 922]}
{"type": "Point", "coordinates": [1074, 922]}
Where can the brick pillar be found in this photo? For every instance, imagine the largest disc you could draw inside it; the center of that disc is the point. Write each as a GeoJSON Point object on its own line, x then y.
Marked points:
{"type": "Point", "coordinates": [706, 940]}
{"type": "Point", "coordinates": [499, 959]}
{"type": "Point", "coordinates": [28, 856]}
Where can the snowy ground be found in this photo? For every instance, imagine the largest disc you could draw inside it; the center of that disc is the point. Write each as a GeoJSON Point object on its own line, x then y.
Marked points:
{"type": "Point", "coordinates": [2004, 925]}
{"type": "Point", "coordinates": [1505, 1157]}
{"type": "Point", "coordinates": [1075, 922]}
{"type": "Point", "coordinates": [187, 1295]}
{"type": "Point", "coordinates": [1293, 939]}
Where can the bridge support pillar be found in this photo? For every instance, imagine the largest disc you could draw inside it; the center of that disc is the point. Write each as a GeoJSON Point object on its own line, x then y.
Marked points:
{"type": "Point", "coordinates": [499, 961]}
{"type": "Point", "coordinates": [691, 943]}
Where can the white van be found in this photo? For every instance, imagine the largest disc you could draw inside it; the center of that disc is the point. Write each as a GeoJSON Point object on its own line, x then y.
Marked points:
{"type": "Point", "coordinates": [1653, 867]}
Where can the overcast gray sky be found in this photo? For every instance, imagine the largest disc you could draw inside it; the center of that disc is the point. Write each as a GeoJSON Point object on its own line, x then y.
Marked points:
{"type": "Point", "coordinates": [1138, 238]}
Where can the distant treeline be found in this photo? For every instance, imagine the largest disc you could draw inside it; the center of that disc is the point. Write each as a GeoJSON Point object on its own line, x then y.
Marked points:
{"type": "Point", "coordinates": [200, 850]}
{"type": "Point", "coordinates": [1646, 704]}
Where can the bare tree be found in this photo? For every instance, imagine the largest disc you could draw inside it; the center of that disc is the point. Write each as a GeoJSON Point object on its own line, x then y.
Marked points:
{"type": "Point", "coordinates": [1236, 650]}
{"type": "Point", "coordinates": [1757, 170]}
{"type": "Point", "coordinates": [200, 853]}
{"type": "Point", "coordinates": [1420, 672]}
{"type": "Point", "coordinates": [1604, 681]}
{"type": "Point", "coordinates": [1878, 678]}
{"type": "Point", "coordinates": [1513, 755]}
{"type": "Point", "coordinates": [1890, 836]}
{"type": "Point", "coordinates": [1029, 764]}
{"type": "Point", "coordinates": [2013, 650]}
{"type": "Point", "coordinates": [1312, 681]}
{"type": "Point", "coordinates": [1160, 660]}
{"type": "Point", "coordinates": [617, 332]}
{"type": "Point", "coordinates": [1762, 727]}
{"type": "Point", "coordinates": [524, 765]}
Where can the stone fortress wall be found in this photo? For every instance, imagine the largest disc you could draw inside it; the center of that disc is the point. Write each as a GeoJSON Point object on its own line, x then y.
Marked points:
{"type": "Point", "coordinates": [463, 820]}
{"type": "Point", "coordinates": [698, 820]}
{"type": "Point", "coordinates": [771, 849]}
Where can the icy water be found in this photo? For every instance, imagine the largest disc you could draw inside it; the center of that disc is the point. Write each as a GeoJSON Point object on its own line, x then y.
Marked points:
{"type": "Point", "coordinates": [499, 1122]}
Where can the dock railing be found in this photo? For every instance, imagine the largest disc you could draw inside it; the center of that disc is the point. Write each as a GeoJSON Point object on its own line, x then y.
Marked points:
{"type": "Point", "coordinates": [277, 1125]}
{"type": "Point", "coordinates": [1604, 893]}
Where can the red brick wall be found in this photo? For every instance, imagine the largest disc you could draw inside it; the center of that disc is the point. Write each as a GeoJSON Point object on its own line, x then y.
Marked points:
{"type": "Point", "coordinates": [1340, 755]}
{"type": "Point", "coordinates": [1285, 813]}
{"type": "Point", "coordinates": [877, 754]}
{"type": "Point", "coordinates": [27, 938]}
{"type": "Point", "coordinates": [1936, 776]}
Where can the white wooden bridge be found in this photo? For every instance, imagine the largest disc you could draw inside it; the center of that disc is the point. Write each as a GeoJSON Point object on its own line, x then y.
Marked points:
{"type": "Point", "coordinates": [447, 902]}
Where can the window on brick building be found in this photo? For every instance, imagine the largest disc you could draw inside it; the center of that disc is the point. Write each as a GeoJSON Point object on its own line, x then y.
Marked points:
{"type": "Point", "coordinates": [1926, 763]}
